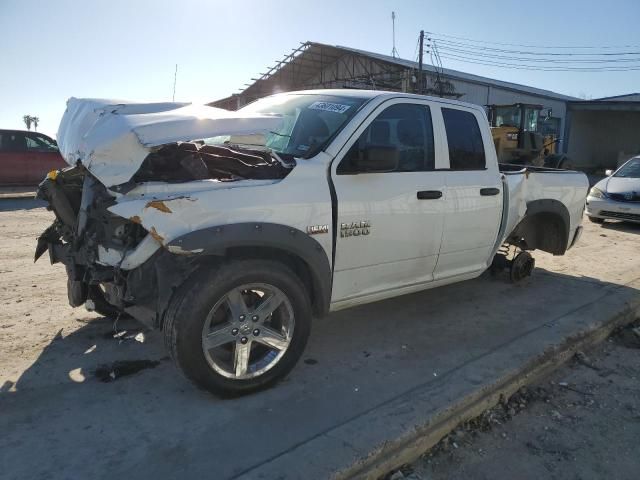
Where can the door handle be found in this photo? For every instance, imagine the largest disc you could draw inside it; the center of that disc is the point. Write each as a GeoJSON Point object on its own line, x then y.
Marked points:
{"type": "Point", "coordinates": [429, 194]}
{"type": "Point", "coordinates": [487, 192]}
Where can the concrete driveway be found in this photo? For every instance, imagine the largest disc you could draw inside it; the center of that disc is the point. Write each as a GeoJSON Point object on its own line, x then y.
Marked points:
{"type": "Point", "coordinates": [58, 420]}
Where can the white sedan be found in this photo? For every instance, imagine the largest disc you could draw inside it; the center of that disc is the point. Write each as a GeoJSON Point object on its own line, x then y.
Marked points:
{"type": "Point", "coordinates": [617, 197]}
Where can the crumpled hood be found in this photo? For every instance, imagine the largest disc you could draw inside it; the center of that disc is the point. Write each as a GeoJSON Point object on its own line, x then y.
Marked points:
{"type": "Point", "coordinates": [619, 185]}
{"type": "Point", "coordinates": [112, 138]}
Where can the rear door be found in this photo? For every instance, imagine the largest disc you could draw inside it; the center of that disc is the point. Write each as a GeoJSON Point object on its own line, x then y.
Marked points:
{"type": "Point", "coordinates": [473, 201]}
{"type": "Point", "coordinates": [14, 158]}
{"type": "Point", "coordinates": [389, 222]}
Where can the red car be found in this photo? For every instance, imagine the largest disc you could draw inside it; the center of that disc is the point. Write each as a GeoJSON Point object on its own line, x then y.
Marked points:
{"type": "Point", "coordinates": [26, 157]}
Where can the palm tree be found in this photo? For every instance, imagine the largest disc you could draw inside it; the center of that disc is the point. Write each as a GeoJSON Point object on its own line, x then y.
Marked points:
{"type": "Point", "coordinates": [31, 120]}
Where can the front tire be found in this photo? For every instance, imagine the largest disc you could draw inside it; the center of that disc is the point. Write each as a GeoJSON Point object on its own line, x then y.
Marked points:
{"type": "Point", "coordinates": [240, 327]}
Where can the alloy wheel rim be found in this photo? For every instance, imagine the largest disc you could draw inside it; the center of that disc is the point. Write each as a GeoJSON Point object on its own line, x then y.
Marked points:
{"type": "Point", "coordinates": [248, 331]}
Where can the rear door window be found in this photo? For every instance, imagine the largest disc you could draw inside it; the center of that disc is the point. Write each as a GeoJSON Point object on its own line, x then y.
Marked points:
{"type": "Point", "coordinates": [466, 148]}
{"type": "Point", "coordinates": [12, 142]}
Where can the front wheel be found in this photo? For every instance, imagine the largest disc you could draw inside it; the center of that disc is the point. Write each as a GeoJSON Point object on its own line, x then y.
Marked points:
{"type": "Point", "coordinates": [240, 327]}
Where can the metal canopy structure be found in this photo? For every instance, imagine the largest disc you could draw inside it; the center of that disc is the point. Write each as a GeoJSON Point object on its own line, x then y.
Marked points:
{"type": "Point", "coordinates": [314, 65]}
{"type": "Point", "coordinates": [309, 66]}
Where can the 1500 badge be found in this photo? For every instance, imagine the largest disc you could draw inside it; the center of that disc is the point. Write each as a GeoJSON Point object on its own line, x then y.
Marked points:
{"type": "Point", "coordinates": [355, 229]}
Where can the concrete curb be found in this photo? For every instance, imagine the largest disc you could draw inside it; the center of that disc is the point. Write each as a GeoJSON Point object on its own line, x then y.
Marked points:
{"type": "Point", "coordinates": [409, 447]}
{"type": "Point", "coordinates": [400, 430]}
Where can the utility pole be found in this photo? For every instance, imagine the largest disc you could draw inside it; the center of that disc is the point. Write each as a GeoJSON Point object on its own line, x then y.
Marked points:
{"type": "Point", "coordinates": [175, 77]}
{"type": "Point", "coordinates": [394, 51]}
{"type": "Point", "coordinates": [420, 54]}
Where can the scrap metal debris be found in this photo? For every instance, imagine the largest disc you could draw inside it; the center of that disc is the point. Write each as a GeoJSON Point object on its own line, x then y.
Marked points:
{"type": "Point", "coordinates": [124, 335]}
{"type": "Point", "coordinates": [109, 373]}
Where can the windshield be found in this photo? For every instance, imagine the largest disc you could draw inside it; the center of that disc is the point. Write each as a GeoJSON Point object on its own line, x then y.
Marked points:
{"type": "Point", "coordinates": [309, 121]}
{"type": "Point", "coordinates": [507, 116]}
{"type": "Point", "coordinates": [631, 169]}
{"type": "Point", "coordinates": [531, 119]}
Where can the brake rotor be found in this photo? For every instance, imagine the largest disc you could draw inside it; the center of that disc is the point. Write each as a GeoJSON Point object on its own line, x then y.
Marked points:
{"type": "Point", "coordinates": [522, 266]}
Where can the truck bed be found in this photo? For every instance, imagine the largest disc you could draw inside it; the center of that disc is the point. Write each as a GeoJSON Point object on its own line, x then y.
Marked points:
{"type": "Point", "coordinates": [525, 185]}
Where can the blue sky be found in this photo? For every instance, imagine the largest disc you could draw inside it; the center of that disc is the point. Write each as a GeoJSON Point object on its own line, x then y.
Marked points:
{"type": "Point", "coordinates": [54, 49]}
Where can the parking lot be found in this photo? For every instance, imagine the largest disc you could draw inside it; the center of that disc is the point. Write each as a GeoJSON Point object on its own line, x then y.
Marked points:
{"type": "Point", "coordinates": [68, 409]}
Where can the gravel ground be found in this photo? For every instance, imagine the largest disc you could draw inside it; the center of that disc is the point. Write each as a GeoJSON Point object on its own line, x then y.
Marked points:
{"type": "Point", "coordinates": [582, 423]}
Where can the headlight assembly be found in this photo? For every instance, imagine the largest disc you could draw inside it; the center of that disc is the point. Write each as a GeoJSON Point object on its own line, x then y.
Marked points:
{"type": "Point", "coordinates": [596, 192]}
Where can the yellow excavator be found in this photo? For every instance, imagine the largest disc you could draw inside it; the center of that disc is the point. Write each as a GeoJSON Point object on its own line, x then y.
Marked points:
{"type": "Point", "coordinates": [516, 131]}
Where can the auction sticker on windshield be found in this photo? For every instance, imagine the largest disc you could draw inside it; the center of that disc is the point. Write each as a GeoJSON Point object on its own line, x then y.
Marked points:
{"type": "Point", "coordinates": [329, 107]}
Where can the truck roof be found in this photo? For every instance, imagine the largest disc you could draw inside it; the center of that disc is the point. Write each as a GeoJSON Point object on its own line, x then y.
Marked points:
{"type": "Point", "coordinates": [382, 94]}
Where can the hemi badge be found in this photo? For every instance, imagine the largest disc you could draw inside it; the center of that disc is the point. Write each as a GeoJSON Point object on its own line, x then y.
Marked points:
{"type": "Point", "coordinates": [316, 229]}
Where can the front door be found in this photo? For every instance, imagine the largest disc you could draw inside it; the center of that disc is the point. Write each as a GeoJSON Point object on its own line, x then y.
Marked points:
{"type": "Point", "coordinates": [390, 205]}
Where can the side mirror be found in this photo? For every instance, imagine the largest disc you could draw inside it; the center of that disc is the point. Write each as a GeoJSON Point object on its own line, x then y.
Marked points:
{"type": "Point", "coordinates": [375, 158]}
{"type": "Point", "coordinates": [608, 173]}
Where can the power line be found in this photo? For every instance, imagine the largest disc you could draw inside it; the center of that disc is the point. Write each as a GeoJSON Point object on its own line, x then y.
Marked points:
{"type": "Point", "coordinates": [532, 46]}
{"type": "Point", "coordinates": [524, 52]}
{"type": "Point", "coordinates": [464, 59]}
{"type": "Point", "coordinates": [566, 61]}
{"type": "Point", "coordinates": [533, 59]}
{"type": "Point", "coordinates": [558, 58]}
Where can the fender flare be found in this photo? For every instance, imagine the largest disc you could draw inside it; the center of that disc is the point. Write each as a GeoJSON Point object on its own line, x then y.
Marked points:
{"type": "Point", "coordinates": [217, 240]}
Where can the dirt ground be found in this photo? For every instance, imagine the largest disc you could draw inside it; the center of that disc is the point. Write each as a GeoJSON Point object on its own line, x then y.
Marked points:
{"type": "Point", "coordinates": [34, 298]}
{"type": "Point", "coordinates": [581, 423]}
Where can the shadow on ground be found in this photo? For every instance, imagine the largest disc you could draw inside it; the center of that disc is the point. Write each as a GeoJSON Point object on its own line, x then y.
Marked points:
{"type": "Point", "coordinates": [154, 424]}
{"type": "Point", "coordinates": [626, 227]}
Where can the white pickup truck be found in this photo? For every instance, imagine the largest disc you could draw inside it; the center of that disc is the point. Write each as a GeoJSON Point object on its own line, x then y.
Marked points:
{"type": "Point", "coordinates": [231, 230]}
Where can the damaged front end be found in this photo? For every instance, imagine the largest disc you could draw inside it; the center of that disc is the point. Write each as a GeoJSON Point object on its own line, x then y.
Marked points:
{"type": "Point", "coordinates": [116, 263]}
{"type": "Point", "coordinates": [82, 231]}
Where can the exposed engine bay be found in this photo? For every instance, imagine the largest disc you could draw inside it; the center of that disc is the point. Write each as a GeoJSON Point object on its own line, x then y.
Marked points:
{"type": "Point", "coordinates": [188, 161]}
{"type": "Point", "coordinates": [86, 237]}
